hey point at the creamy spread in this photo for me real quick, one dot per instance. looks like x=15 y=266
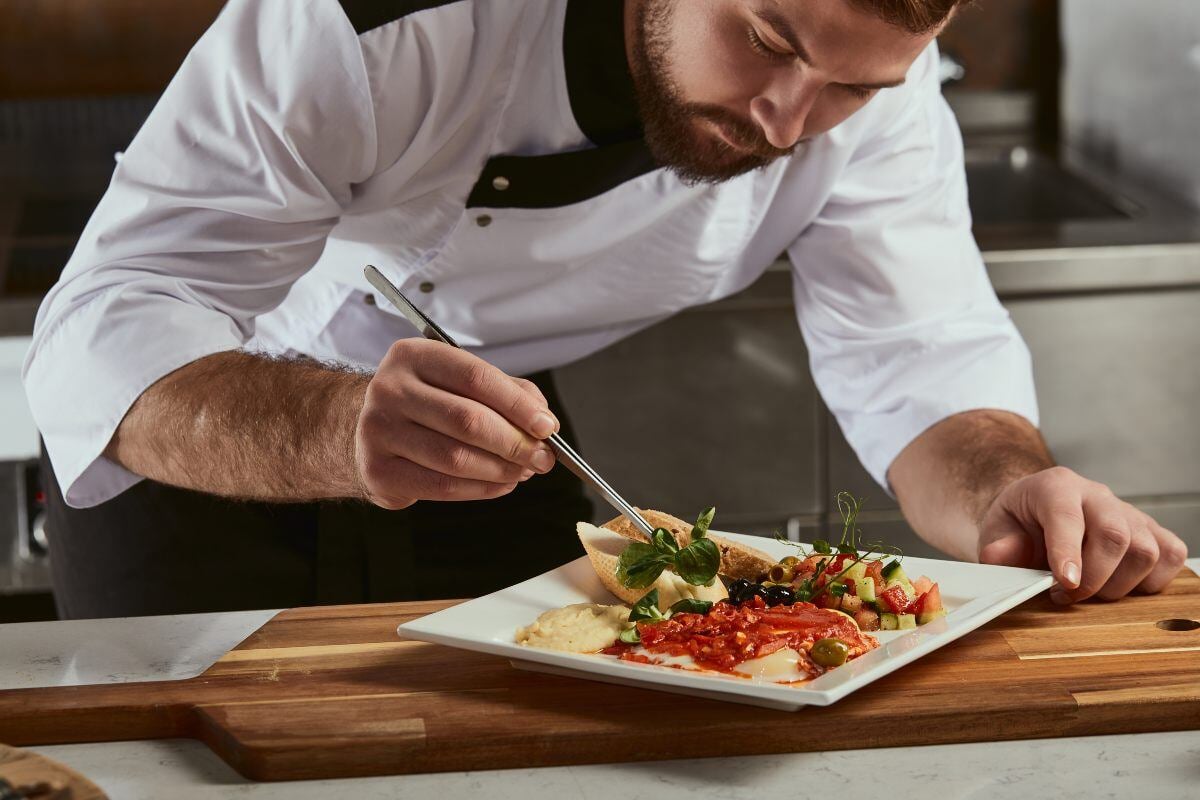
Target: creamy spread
x=578 y=628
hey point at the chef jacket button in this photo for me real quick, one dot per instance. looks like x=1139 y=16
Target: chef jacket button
x=483 y=220
x=426 y=286
x=369 y=299
x=500 y=183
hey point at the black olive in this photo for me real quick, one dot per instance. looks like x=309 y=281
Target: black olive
x=739 y=586
x=780 y=596
x=759 y=590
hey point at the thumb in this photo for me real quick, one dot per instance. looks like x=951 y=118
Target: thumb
x=1012 y=547
x=1005 y=541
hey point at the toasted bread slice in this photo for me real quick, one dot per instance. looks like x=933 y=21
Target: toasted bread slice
x=604 y=550
x=737 y=560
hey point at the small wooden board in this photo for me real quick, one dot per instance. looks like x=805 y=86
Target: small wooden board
x=40 y=778
x=332 y=692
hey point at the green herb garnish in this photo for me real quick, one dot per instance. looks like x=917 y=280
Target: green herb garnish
x=690 y=605
x=641 y=563
x=850 y=544
x=646 y=610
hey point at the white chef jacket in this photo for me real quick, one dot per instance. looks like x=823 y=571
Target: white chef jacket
x=487 y=157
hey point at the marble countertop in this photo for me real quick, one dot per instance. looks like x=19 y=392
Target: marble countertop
x=1147 y=766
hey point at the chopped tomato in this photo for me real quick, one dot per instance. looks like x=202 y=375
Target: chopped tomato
x=922 y=585
x=895 y=599
x=851 y=587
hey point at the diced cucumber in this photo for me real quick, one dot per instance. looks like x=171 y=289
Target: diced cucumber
x=925 y=617
x=905 y=587
x=907 y=621
x=865 y=589
x=888 y=621
x=892 y=571
x=855 y=572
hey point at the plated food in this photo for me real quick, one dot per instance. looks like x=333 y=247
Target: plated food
x=706 y=603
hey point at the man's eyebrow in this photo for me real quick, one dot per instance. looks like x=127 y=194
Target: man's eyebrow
x=784 y=30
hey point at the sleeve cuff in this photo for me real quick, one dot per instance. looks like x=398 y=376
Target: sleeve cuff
x=82 y=376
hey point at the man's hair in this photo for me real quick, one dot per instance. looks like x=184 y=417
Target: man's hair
x=914 y=16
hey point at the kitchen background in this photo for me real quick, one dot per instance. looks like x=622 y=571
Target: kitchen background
x=1081 y=120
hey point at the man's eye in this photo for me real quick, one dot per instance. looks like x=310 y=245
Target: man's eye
x=762 y=48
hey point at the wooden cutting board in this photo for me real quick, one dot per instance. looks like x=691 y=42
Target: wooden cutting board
x=332 y=692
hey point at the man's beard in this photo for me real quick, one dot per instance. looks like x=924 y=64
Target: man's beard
x=669 y=121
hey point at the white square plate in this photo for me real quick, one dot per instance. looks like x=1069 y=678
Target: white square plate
x=972 y=593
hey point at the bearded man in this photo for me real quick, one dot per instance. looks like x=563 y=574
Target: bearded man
x=233 y=419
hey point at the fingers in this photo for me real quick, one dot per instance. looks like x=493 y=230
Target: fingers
x=1172 y=552
x=440 y=453
x=383 y=473
x=466 y=375
x=1095 y=544
x=476 y=425
x=1064 y=525
x=1105 y=544
x=1138 y=561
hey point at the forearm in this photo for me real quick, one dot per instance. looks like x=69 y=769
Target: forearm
x=948 y=477
x=247 y=426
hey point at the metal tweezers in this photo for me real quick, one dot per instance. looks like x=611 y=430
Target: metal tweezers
x=566 y=455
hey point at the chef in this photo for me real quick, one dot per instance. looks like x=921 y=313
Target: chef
x=234 y=419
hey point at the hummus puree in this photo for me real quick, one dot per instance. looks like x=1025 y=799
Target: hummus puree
x=578 y=628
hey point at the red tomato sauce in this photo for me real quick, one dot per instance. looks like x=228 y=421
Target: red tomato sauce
x=729 y=635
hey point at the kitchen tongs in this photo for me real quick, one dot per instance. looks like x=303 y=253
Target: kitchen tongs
x=566 y=455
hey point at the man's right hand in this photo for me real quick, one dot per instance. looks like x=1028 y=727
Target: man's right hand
x=438 y=423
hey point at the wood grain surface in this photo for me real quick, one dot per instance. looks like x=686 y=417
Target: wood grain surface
x=331 y=692
x=40 y=778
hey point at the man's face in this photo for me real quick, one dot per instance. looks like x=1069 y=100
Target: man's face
x=728 y=86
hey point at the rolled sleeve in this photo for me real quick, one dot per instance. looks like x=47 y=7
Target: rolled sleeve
x=902 y=324
x=221 y=202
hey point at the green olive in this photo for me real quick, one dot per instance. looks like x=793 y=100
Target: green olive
x=781 y=573
x=789 y=561
x=830 y=652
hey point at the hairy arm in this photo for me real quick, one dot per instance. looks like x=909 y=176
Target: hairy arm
x=247 y=426
x=432 y=423
x=948 y=477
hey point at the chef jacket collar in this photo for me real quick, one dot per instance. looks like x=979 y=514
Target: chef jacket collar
x=599 y=84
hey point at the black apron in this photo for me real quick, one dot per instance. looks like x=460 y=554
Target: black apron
x=156 y=549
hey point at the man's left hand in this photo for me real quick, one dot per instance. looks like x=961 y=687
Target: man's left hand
x=1095 y=543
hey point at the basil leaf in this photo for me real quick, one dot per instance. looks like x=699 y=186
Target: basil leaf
x=837 y=589
x=702 y=522
x=698 y=562
x=822 y=546
x=664 y=542
x=847 y=549
x=640 y=565
x=691 y=605
x=630 y=636
x=646 y=608
x=804 y=591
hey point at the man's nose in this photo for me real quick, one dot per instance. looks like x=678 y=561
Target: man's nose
x=782 y=110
